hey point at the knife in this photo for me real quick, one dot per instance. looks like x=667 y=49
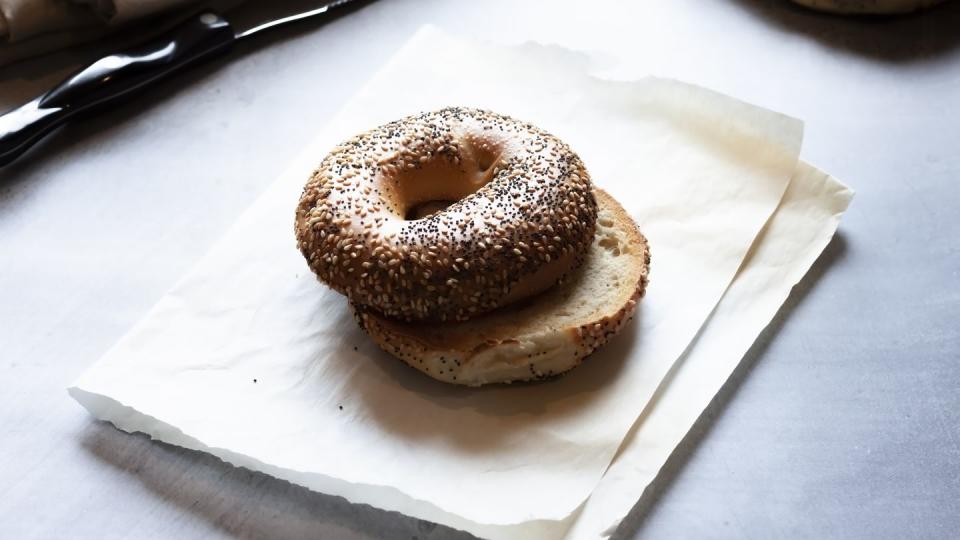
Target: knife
x=203 y=36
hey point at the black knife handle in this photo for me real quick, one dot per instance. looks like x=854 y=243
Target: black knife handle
x=111 y=78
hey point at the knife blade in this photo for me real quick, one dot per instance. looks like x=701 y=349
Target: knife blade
x=200 y=37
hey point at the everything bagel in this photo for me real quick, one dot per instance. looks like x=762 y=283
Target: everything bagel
x=446 y=215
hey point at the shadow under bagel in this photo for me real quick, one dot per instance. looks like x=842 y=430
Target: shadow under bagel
x=512 y=408
x=509 y=410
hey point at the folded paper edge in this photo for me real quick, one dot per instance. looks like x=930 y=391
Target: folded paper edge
x=843 y=195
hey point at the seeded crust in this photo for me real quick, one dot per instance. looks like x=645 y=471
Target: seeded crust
x=523 y=217
x=868 y=6
x=543 y=337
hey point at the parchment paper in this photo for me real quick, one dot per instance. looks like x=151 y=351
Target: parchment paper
x=251 y=359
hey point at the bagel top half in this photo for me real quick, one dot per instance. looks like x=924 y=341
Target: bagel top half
x=511 y=210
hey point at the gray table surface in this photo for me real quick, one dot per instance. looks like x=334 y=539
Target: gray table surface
x=842 y=421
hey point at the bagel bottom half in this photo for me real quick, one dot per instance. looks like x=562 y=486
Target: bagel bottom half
x=543 y=336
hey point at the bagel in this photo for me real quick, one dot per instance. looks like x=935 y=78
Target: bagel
x=543 y=337
x=446 y=215
x=878 y=7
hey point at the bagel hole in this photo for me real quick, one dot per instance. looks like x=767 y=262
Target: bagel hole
x=426 y=209
x=485 y=161
x=436 y=183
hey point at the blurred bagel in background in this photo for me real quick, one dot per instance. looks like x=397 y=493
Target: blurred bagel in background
x=872 y=7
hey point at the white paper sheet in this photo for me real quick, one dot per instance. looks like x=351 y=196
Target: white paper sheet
x=250 y=359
